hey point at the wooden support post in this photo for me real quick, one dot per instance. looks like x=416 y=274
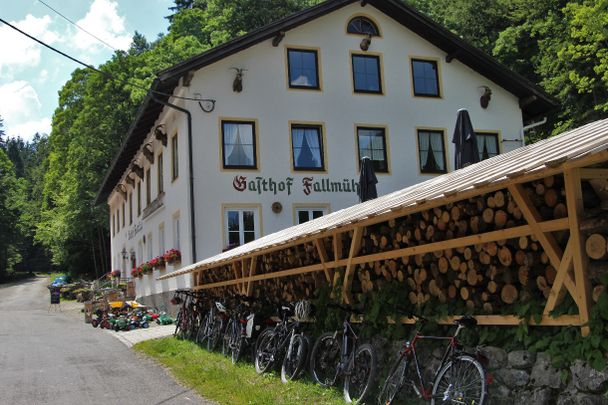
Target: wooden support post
x=563 y=270
x=337 y=242
x=574 y=200
x=252 y=267
x=547 y=241
x=236 y=276
x=329 y=274
x=355 y=245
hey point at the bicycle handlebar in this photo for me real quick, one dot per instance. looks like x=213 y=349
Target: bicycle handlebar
x=345 y=308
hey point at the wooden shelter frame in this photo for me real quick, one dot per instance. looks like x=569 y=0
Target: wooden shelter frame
x=570 y=263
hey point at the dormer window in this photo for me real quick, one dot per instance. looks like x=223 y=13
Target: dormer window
x=362 y=26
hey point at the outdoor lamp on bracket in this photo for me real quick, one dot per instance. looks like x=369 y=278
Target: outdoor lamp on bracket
x=124 y=253
x=206 y=104
x=237 y=84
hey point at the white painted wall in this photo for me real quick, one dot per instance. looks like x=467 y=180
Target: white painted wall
x=267 y=99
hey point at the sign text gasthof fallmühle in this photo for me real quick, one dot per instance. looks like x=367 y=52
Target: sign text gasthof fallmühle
x=309 y=185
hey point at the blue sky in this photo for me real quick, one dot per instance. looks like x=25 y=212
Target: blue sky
x=31 y=75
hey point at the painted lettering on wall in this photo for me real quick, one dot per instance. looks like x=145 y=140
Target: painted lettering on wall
x=135 y=229
x=310 y=185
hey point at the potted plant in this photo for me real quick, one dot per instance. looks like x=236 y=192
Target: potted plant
x=136 y=272
x=115 y=274
x=158 y=263
x=172 y=256
x=146 y=268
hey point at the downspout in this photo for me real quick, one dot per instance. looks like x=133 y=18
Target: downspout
x=527 y=127
x=191 y=174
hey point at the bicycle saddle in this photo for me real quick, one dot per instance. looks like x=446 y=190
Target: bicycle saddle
x=466 y=321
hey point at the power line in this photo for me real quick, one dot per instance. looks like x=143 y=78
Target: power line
x=107 y=75
x=78 y=26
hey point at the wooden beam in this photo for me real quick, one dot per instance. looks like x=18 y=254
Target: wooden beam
x=574 y=201
x=594 y=173
x=236 y=277
x=355 y=246
x=507 y=320
x=323 y=257
x=547 y=241
x=252 y=269
x=337 y=242
x=563 y=271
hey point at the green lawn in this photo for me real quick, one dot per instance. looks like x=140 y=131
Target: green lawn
x=214 y=377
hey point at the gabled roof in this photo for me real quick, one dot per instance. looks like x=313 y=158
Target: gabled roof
x=497 y=172
x=533 y=100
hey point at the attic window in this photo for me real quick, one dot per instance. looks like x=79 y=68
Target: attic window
x=362 y=25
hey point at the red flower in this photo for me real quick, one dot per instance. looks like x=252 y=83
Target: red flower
x=172 y=256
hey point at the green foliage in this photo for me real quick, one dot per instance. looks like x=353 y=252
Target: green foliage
x=214 y=377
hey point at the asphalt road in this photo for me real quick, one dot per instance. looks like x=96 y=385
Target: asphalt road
x=55 y=358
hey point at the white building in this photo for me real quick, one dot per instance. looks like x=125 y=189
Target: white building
x=320 y=89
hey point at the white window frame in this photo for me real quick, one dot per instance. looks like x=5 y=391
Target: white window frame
x=176 y=231
x=256 y=222
x=310 y=210
x=150 y=246
x=161 y=239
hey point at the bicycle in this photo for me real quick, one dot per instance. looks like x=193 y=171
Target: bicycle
x=333 y=358
x=460 y=378
x=284 y=341
x=212 y=326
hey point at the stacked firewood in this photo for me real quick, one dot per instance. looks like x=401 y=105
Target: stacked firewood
x=484 y=276
x=289 y=289
x=595 y=230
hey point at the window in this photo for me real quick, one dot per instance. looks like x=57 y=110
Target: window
x=238 y=145
x=138 y=198
x=140 y=252
x=161 y=239
x=130 y=208
x=487 y=144
x=362 y=25
x=148 y=187
x=306 y=214
x=113 y=224
x=159 y=175
x=176 y=232
x=372 y=143
x=425 y=78
x=307 y=147
x=123 y=214
x=303 y=68
x=431 y=149
x=174 y=158
x=241 y=226
x=366 y=74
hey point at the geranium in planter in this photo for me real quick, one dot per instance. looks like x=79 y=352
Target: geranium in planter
x=173 y=256
x=136 y=272
x=158 y=263
x=146 y=268
x=115 y=274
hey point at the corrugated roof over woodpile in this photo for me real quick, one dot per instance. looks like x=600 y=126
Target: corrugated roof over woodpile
x=572 y=145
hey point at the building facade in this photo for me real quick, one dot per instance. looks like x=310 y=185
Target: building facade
x=268 y=130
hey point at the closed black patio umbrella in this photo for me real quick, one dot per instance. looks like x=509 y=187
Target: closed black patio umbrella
x=367 y=180
x=465 y=141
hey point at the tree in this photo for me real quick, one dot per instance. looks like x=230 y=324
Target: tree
x=9 y=214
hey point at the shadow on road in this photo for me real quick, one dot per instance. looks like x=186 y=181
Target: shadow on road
x=24 y=281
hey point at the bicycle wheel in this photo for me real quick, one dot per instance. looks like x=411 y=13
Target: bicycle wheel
x=462 y=381
x=294 y=359
x=201 y=334
x=358 y=383
x=215 y=332
x=178 y=322
x=237 y=348
x=325 y=358
x=227 y=337
x=264 y=354
x=394 y=381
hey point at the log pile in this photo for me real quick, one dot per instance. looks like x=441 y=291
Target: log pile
x=595 y=229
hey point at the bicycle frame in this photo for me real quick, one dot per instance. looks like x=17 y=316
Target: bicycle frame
x=347 y=357
x=409 y=350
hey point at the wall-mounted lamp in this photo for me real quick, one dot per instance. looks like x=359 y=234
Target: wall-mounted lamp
x=160 y=134
x=206 y=104
x=132 y=256
x=237 y=84
x=124 y=253
x=148 y=152
x=485 y=98
x=366 y=42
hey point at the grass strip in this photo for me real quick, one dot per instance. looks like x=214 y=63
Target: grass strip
x=214 y=377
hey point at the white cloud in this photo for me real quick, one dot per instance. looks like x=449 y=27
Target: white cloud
x=20 y=109
x=18 y=51
x=103 y=21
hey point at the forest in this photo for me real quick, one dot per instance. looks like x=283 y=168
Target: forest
x=47 y=186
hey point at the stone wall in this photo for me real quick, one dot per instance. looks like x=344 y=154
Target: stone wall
x=519 y=377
